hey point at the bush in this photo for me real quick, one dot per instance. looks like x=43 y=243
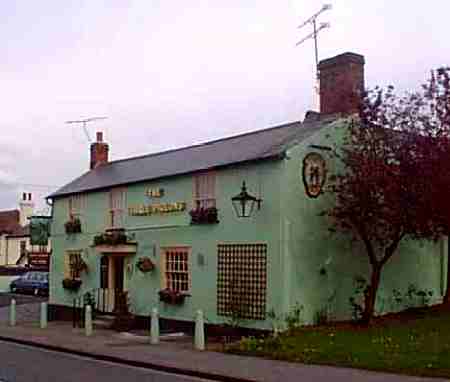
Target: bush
x=73 y=226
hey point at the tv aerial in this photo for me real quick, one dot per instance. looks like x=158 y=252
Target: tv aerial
x=316 y=29
x=84 y=122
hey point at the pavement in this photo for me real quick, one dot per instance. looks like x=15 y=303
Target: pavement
x=172 y=356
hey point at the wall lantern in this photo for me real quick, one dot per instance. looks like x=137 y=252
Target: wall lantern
x=244 y=203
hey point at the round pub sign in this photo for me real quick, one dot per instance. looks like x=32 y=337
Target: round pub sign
x=314 y=174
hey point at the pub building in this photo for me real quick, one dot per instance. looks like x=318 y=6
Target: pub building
x=231 y=227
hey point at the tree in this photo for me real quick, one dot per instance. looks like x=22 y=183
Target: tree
x=437 y=95
x=388 y=157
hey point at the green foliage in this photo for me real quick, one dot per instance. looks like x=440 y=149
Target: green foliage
x=417 y=344
x=321 y=316
x=73 y=226
x=71 y=284
x=294 y=317
x=357 y=300
x=413 y=297
x=291 y=320
x=111 y=238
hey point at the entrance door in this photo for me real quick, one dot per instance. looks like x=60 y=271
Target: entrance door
x=118 y=280
x=118 y=273
x=111 y=281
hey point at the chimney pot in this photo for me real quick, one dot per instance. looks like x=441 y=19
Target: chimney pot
x=341 y=83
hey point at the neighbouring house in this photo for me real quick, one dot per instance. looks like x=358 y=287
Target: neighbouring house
x=169 y=229
x=15 y=244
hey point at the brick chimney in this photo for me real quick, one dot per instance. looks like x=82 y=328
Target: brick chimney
x=341 y=83
x=99 y=151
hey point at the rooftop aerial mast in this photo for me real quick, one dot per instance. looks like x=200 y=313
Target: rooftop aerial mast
x=84 y=122
x=316 y=29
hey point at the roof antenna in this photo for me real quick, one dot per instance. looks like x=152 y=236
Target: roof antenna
x=84 y=122
x=316 y=30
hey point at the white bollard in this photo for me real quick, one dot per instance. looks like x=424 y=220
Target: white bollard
x=43 y=315
x=88 y=321
x=199 y=331
x=12 y=313
x=154 y=327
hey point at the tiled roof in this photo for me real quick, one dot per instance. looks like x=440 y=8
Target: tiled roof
x=257 y=145
x=20 y=231
x=9 y=221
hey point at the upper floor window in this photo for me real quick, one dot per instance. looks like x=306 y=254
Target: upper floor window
x=205 y=190
x=77 y=205
x=116 y=208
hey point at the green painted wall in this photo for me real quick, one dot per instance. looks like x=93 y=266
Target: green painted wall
x=305 y=264
x=323 y=265
x=154 y=232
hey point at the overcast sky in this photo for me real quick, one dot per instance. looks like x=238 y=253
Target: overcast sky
x=173 y=73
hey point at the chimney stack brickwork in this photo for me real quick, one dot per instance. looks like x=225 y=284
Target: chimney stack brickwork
x=99 y=152
x=341 y=83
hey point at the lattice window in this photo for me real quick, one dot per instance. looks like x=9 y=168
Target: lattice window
x=205 y=190
x=77 y=205
x=116 y=208
x=176 y=269
x=242 y=280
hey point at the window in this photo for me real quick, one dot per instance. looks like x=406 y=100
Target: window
x=72 y=261
x=205 y=190
x=77 y=205
x=242 y=280
x=176 y=274
x=116 y=208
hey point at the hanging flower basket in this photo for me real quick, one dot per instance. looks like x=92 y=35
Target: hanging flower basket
x=73 y=226
x=71 y=284
x=116 y=237
x=171 y=297
x=204 y=216
x=145 y=264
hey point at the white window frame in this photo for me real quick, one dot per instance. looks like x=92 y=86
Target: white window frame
x=204 y=190
x=166 y=282
x=116 y=207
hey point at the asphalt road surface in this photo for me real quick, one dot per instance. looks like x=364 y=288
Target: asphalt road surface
x=20 y=363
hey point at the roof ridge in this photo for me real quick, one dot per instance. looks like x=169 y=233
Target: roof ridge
x=9 y=211
x=287 y=124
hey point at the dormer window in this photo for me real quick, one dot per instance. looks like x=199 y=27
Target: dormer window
x=205 y=190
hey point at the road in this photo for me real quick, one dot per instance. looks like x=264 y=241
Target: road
x=20 y=363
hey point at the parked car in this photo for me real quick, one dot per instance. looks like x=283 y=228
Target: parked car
x=31 y=282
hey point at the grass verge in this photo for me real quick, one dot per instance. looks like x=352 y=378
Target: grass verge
x=415 y=342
